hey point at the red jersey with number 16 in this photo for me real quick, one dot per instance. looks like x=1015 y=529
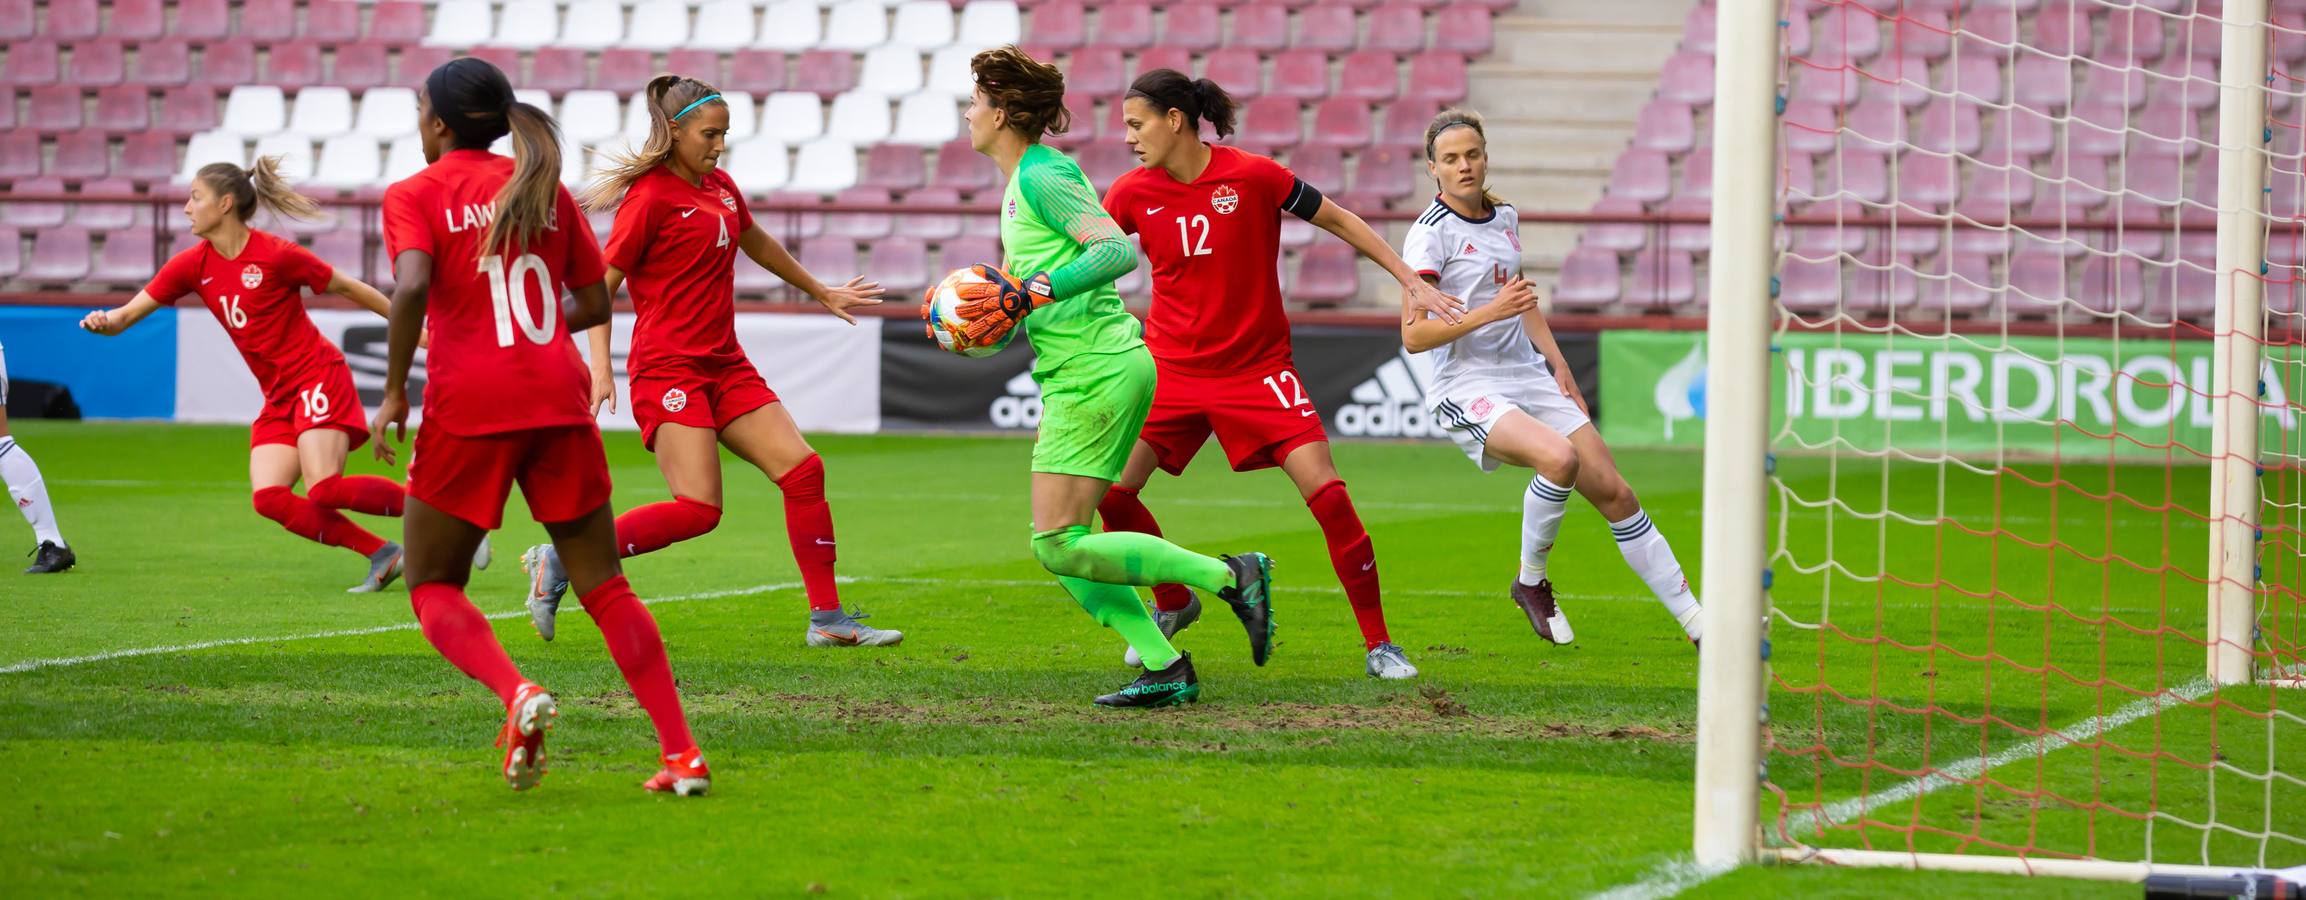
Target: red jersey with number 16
x=255 y=296
x=501 y=358
x=1215 y=247
x=676 y=242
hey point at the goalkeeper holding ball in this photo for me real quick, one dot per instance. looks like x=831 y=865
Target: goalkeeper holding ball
x=1095 y=374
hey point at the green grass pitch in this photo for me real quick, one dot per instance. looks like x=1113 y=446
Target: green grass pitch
x=967 y=762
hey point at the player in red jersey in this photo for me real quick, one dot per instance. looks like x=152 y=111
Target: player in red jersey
x=483 y=248
x=680 y=222
x=1209 y=219
x=251 y=281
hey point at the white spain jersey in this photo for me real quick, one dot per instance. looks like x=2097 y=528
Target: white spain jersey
x=1473 y=258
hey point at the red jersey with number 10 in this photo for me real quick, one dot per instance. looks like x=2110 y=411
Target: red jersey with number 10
x=255 y=296
x=1215 y=248
x=501 y=358
x=676 y=242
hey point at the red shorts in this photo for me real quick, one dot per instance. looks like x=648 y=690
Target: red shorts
x=1259 y=417
x=326 y=400
x=562 y=471
x=697 y=397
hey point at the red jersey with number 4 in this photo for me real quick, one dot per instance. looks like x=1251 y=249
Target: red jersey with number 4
x=1215 y=247
x=501 y=358
x=676 y=242
x=256 y=296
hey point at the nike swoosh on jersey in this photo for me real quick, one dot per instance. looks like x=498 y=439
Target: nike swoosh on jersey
x=688 y=212
x=1155 y=210
x=208 y=279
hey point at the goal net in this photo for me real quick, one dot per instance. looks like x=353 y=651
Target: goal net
x=2036 y=513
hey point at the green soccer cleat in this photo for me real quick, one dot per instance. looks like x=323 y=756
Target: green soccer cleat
x=1173 y=686
x=1252 y=599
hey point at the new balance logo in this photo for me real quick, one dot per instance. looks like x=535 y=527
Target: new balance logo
x=1392 y=402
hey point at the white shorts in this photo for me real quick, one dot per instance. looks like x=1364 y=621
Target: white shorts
x=1468 y=411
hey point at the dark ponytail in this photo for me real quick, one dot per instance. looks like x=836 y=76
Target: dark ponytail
x=1200 y=99
x=474 y=99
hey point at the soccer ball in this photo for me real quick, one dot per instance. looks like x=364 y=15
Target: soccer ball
x=943 y=299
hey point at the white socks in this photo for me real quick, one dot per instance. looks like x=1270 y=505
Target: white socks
x=29 y=492
x=1541 y=510
x=1646 y=551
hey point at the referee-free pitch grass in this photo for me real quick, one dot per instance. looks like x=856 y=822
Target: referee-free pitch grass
x=967 y=762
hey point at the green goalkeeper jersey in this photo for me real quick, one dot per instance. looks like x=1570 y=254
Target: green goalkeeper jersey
x=1051 y=222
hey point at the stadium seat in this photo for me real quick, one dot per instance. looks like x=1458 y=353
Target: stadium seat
x=226 y=65
x=96 y=64
x=132 y=20
x=893 y=168
x=1271 y=124
x=921 y=25
x=593 y=25
x=2042 y=83
x=98 y=217
x=1302 y=75
x=1927 y=181
x=930 y=226
x=1321 y=167
x=399 y=23
x=792 y=117
x=30 y=63
x=858 y=117
x=963 y=252
x=361 y=67
x=202 y=21
x=1263 y=28
x=59 y=256
x=1807 y=285
x=338 y=24
x=1616 y=236
x=19 y=154
x=756 y=72
x=855 y=25
x=1163 y=57
x=1439 y=77
x=949 y=71
x=989 y=23
x=825 y=73
x=1370 y=76
x=1641 y=175
x=254 y=110
x=504 y=58
x=54 y=107
x=527 y=24
x=744 y=115
x=387 y=114
x=1463 y=31
x=1661 y=279
x=348 y=162
x=827 y=165
x=858 y=225
x=294 y=151
x=459 y=24
x=658 y=25
x=591 y=116
x=148 y=156
x=72 y=20
x=268 y=22
x=1192 y=26
x=1397 y=29
x=1665 y=125
x=342 y=249
x=404 y=158
x=959 y=167
x=82 y=156
x=557 y=70
x=901 y=265
x=2168 y=126
x=34 y=215
x=1589 y=279
x=1097 y=72
x=1950 y=125
x=1344 y=124
x=1328 y=28
x=321 y=113
x=120 y=109
x=724 y=25
x=1238 y=69
x=1697 y=175
x=17 y=23
x=1845 y=35
x=926 y=120
x=891 y=71
x=831 y=260
x=1123 y=25
x=1104 y=162
x=159 y=64
x=1325 y=275
x=1060 y=25
x=126 y=259
x=294 y=66
x=1688 y=78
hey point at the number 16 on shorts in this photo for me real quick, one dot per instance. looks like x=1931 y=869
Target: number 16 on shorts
x=1290 y=391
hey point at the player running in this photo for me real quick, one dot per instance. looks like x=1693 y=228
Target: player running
x=1500 y=386
x=51 y=554
x=1220 y=338
x=680 y=222
x=312 y=418
x=1095 y=375
x=483 y=248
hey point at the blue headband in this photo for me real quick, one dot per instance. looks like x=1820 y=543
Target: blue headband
x=708 y=98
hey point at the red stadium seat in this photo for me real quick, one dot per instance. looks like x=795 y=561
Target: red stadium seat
x=1396 y=28
x=1616 y=236
x=16 y=21
x=202 y=21
x=832 y=260
x=294 y=66
x=111 y=216
x=136 y=20
x=1385 y=175
x=1301 y=75
x=188 y=109
x=1192 y=26
x=1405 y=121
x=1662 y=278
x=962 y=168
x=558 y=70
x=1164 y=57
x=859 y=226
x=417 y=62
x=825 y=72
x=1061 y=25
x=1239 y=70
x=1123 y=24
x=1271 y=124
x=1688 y=78
x=1328 y=28
x=399 y=23
x=29 y=63
x=19 y=155
x=11 y=253
x=82 y=156
x=34 y=215
x=1641 y=175
x=1439 y=77
x=53 y=108
x=1665 y=125
x=1589 y=279
x=705 y=64
x=1370 y=76
x=1321 y=167
x=505 y=58
x=1261 y=28
x=333 y=24
x=893 y=167
x=262 y=21
x=362 y=66
x=1105 y=161
x=931 y=226
x=7 y=110
x=160 y=64
x=1463 y=30
x=127 y=258
x=901 y=265
x=227 y=64
x=59 y=255
x=961 y=253
x=1344 y=124
x=96 y=64
x=148 y=156
x=1325 y=275
x=73 y=20
x=124 y=108
x=756 y=72
x=1095 y=71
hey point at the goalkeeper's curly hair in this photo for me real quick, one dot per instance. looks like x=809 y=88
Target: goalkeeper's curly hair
x=1029 y=93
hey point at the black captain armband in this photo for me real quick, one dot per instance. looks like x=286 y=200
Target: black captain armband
x=1304 y=200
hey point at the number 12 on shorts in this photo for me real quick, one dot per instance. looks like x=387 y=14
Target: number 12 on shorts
x=1294 y=396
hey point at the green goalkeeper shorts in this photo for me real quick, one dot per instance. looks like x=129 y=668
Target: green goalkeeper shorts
x=1092 y=408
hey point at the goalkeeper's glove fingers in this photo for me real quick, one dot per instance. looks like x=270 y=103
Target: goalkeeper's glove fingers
x=1012 y=296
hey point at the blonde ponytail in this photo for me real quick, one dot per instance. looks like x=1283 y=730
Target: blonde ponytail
x=258 y=185
x=667 y=96
x=526 y=202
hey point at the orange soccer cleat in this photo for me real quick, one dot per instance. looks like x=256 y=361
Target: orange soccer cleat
x=684 y=774
x=531 y=715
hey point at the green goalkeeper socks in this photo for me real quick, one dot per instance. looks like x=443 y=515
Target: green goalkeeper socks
x=1118 y=608
x=1128 y=557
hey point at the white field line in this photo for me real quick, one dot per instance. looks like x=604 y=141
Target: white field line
x=1680 y=874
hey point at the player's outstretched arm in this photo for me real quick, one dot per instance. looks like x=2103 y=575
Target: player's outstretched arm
x=838 y=300
x=359 y=292
x=1426 y=333
x=412 y=274
x=1418 y=298
x=109 y=322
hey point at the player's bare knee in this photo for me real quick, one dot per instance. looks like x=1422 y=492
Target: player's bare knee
x=1555 y=459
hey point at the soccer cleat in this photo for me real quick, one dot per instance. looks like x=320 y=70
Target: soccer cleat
x=531 y=715
x=841 y=629
x=383 y=570
x=49 y=558
x=684 y=775
x=1171 y=623
x=1536 y=601
x=1252 y=599
x=547 y=583
x=1172 y=686
x=483 y=554
x=1386 y=661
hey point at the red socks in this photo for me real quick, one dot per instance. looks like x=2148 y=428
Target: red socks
x=313 y=521
x=1355 y=559
x=809 y=525
x=656 y=526
x=462 y=636
x=639 y=651
x=371 y=494
x=1122 y=511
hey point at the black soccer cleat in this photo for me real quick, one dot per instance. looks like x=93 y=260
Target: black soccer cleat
x=1173 y=686
x=1252 y=599
x=49 y=558
x=1545 y=615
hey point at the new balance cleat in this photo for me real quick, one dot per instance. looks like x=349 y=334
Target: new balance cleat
x=1252 y=600
x=483 y=554
x=1387 y=661
x=547 y=583
x=684 y=775
x=49 y=558
x=383 y=570
x=1173 y=686
x=532 y=713
x=838 y=628
x=1170 y=623
x=1536 y=602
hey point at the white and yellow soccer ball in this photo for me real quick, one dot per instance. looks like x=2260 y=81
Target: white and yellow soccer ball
x=940 y=308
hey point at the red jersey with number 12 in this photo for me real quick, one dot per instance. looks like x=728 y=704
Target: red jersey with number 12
x=1215 y=247
x=676 y=242
x=255 y=296
x=501 y=358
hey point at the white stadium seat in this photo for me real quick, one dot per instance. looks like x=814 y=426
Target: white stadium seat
x=856 y=25
x=792 y=117
x=758 y=166
x=824 y=166
x=927 y=119
x=989 y=23
x=212 y=147
x=892 y=71
x=744 y=119
x=922 y=25
x=636 y=130
x=404 y=159
x=658 y=25
x=593 y=25
x=859 y=117
x=348 y=161
x=589 y=117
x=791 y=25
x=321 y=112
x=537 y=98
x=459 y=23
x=724 y=25
x=387 y=113
x=253 y=110
x=294 y=150
x=949 y=70
x=527 y=24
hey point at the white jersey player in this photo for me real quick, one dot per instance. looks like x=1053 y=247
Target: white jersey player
x=30 y=494
x=1501 y=389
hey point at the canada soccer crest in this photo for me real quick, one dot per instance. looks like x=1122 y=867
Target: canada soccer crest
x=729 y=201
x=251 y=277
x=1224 y=200
x=676 y=400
